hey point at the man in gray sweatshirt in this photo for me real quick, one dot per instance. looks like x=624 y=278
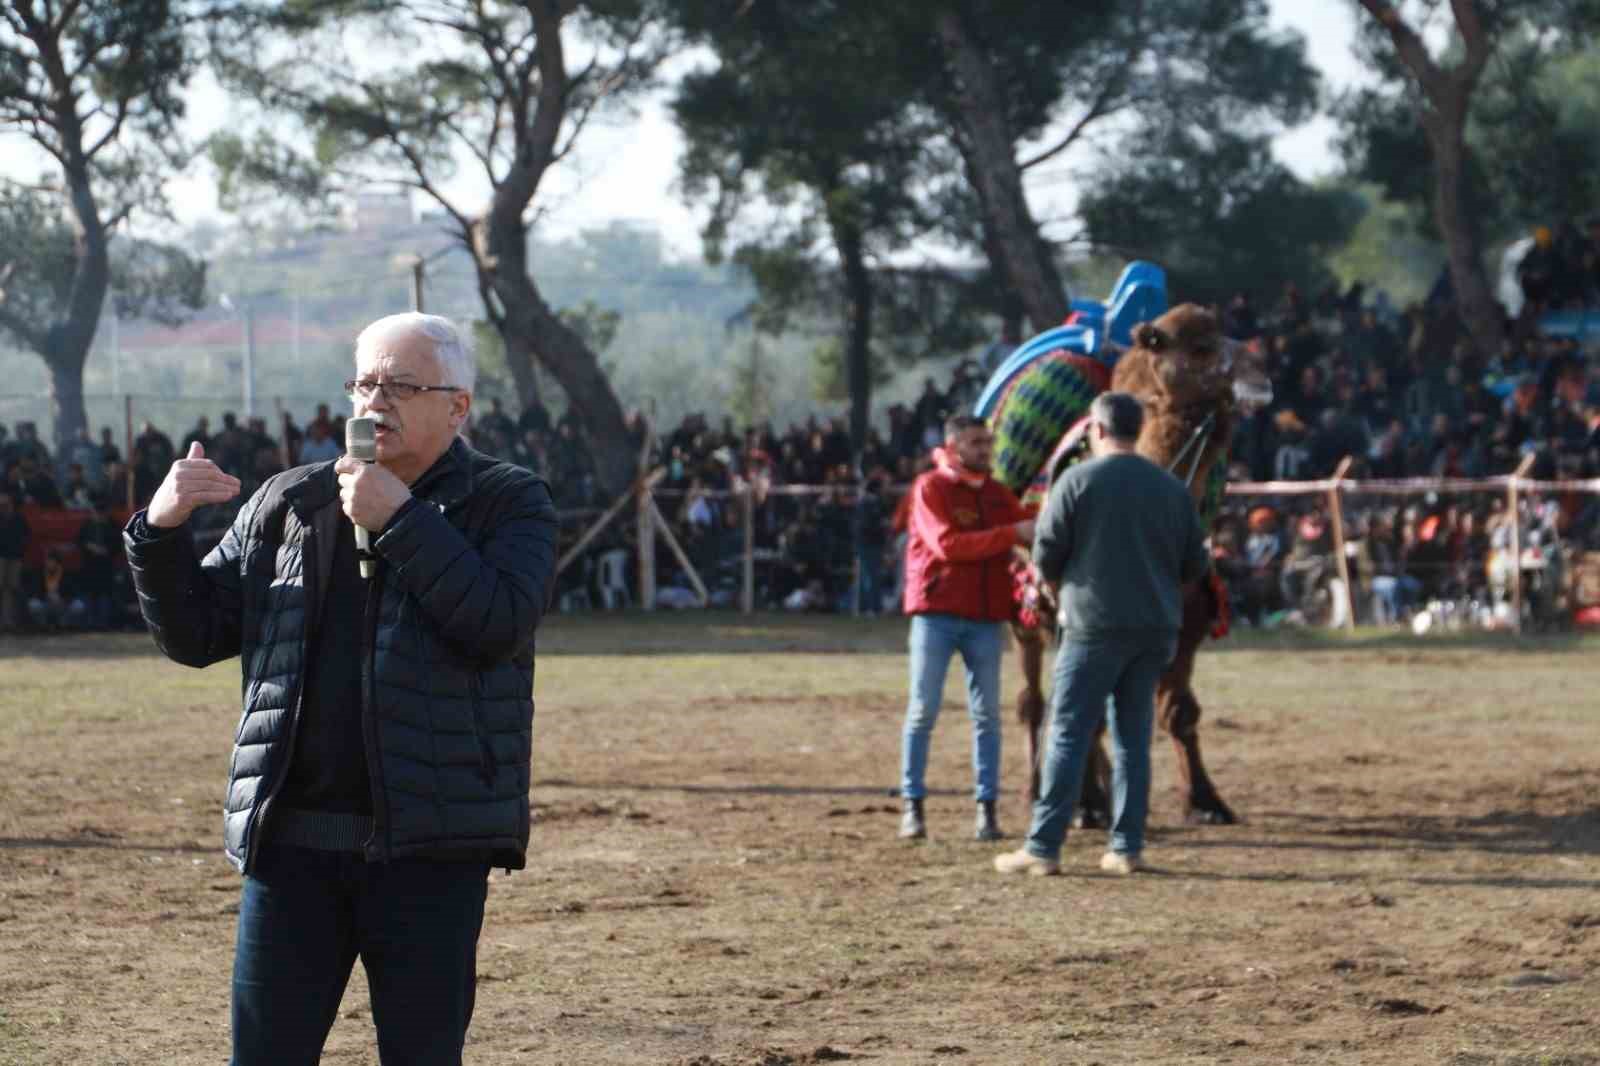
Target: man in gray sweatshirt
x=1118 y=538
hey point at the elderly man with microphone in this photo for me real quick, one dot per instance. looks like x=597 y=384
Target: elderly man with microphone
x=384 y=613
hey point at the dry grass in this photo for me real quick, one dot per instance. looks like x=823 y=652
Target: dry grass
x=715 y=880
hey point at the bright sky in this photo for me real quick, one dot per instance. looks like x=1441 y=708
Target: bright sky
x=592 y=189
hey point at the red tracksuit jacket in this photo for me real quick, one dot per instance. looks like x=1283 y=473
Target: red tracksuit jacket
x=958 y=554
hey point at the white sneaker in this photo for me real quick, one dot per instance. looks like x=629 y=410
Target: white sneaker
x=1120 y=863
x=1023 y=861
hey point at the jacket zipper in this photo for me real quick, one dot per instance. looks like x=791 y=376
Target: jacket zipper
x=983 y=573
x=379 y=846
x=308 y=583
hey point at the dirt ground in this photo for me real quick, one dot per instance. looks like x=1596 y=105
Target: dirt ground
x=715 y=880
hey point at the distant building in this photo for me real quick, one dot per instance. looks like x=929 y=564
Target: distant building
x=372 y=212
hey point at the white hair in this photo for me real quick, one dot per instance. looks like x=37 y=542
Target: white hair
x=451 y=346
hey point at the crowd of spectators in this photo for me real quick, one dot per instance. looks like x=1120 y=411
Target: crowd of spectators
x=1561 y=268
x=1403 y=395
x=1399 y=392
x=810 y=510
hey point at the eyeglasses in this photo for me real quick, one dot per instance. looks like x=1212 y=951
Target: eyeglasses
x=398 y=391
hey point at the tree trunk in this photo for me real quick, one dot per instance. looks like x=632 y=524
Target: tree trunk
x=1475 y=301
x=1012 y=313
x=532 y=331
x=67 y=342
x=65 y=361
x=1448 y=94
x=562 y=352
x=858 y=333
x=520 y=360
x=990 y=154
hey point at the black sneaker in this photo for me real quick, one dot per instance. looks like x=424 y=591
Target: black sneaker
x=986 y=827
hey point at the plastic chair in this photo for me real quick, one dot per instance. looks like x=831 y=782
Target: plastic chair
x=613 y=579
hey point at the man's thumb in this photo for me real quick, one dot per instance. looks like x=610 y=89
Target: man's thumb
x=196 y=451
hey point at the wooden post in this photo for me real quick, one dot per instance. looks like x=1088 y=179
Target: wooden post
x=1336 y=514
x=640 y=487
x=665 y=529
x=747 y=595
x=1516 y=540
x=645 y=531
x=127 y=446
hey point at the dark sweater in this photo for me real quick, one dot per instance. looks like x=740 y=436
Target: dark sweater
x=328 y=771
x=1118 y=537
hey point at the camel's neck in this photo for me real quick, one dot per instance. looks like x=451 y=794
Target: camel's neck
x=1169 y=430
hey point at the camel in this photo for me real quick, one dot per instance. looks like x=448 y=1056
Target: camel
x=1192 y=382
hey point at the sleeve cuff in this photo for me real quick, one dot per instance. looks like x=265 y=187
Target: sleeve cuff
x=398 y=516
x=142 y=531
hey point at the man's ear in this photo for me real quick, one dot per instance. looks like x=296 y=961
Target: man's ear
x=463 y=407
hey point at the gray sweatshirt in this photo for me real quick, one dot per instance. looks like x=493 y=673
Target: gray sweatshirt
x=1118 y=538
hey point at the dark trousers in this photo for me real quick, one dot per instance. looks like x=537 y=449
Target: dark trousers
x=1123 y=668
x=306 y=915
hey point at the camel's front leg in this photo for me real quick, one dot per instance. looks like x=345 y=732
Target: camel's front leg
x=1179 y=715
x=1094 y=802
x=1030 y=702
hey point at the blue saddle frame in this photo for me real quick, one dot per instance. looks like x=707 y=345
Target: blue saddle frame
x=1102 y=331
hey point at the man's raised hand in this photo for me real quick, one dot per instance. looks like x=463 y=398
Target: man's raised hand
x=193 y=481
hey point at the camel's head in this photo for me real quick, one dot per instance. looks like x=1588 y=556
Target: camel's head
x=1183 y=359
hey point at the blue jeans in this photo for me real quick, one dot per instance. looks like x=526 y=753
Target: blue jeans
x=869 y=567
x=934 y=639
x=1125 y=670
x=306 y=915
x=1393 y=595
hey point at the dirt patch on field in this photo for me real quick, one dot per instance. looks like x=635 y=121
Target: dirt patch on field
x=715 y=879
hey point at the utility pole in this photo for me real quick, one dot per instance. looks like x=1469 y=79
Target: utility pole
x=419 y=271
x=294 y=335
x=116 y=352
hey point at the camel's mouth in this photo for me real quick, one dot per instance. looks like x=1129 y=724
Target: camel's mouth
x=1252 y=395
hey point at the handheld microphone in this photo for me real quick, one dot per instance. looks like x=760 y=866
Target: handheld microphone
x=361 y=442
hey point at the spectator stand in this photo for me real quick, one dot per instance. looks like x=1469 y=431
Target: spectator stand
x=651 y=523
x=1514 y=489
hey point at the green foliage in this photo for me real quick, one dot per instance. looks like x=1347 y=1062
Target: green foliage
x=595 y=324
x=1532 y=154
x=1388 y=249
x=121 y=66
x=161 y=282
x=460 y=81
x=494 y=372
x=1532 y=125
x=40 y=265
x=97 y=87
x=259 y=172
x=830 y=379
x=1222 y=216
x=750 y=401
x=1116 y=77
x=809 y=124
x=807 y=110
x=38 y=259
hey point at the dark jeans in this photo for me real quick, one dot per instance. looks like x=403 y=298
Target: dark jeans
x=1124 y=669
x=306 y=915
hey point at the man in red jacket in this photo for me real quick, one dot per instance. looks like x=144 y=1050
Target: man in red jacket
x=958 y=592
